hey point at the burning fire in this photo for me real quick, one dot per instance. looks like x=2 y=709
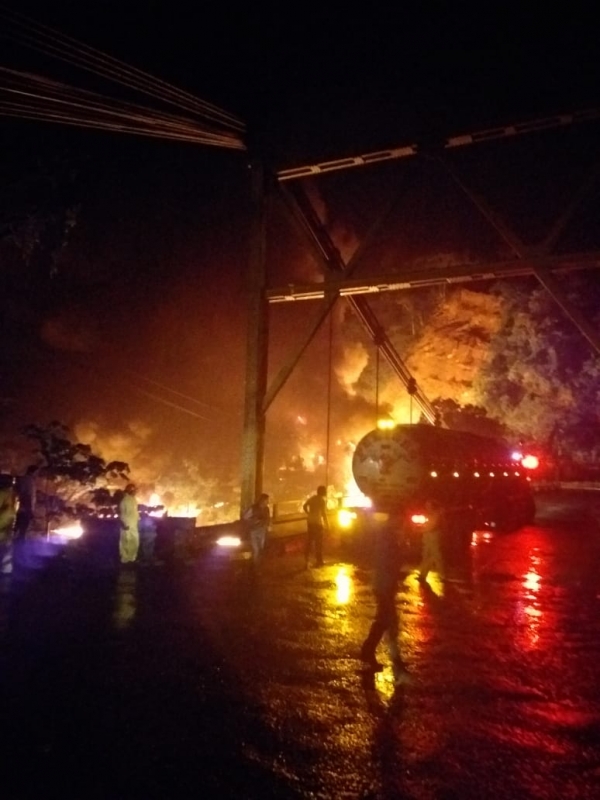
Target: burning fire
x=184 y=510
x=354 y=498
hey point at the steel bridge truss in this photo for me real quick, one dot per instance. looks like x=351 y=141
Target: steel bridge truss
x=338 y=282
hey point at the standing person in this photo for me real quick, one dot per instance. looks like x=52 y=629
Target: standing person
x=431 y=555
x=26 y=494
x=386 y=577
x=148 y=532
x=129 y=539
x=317 y=522
x=258 y=521
x=8 y=512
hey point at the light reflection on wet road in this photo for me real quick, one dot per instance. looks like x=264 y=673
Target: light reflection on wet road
x=210 y=679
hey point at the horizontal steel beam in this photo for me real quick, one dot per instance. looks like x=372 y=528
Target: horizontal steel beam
x=450 y=143
x=416 y=279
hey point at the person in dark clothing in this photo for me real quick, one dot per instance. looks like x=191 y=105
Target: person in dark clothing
x=432 y=559
x=317 y=523
x=147 y=527
x=386 y=578
x=26 y=494
x=257 y=519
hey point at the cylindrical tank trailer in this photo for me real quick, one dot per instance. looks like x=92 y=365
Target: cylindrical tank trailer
x=474 y=478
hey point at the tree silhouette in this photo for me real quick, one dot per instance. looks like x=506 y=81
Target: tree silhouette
x=75 y=478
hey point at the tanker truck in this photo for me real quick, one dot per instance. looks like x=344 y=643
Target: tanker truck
x=475 y=479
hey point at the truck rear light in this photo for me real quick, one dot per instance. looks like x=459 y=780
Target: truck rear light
x=530 y=462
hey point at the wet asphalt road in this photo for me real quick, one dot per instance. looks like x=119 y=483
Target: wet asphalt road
x=203 y=679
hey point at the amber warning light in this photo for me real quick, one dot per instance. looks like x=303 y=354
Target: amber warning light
x=530 y=462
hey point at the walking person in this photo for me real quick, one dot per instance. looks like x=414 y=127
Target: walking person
x=258 y=521
x=432 y=559
x=129 y=518
x=317 y=523
x=386 y=578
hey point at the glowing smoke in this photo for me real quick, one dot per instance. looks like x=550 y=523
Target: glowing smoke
x=352 y=361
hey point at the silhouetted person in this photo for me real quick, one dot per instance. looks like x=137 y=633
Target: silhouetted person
x=317 y=522
x=148 y=531
x=26 y=496
x=386 y=578
x=257 y=518
x=129 y=539
x=431 y=556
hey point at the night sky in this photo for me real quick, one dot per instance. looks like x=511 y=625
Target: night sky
x=314 y=83
x=141 y=314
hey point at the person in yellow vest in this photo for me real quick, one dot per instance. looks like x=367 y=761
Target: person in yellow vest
x=129 y=518
x=8 y=513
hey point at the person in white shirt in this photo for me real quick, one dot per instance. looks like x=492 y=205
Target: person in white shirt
x=317 y=523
